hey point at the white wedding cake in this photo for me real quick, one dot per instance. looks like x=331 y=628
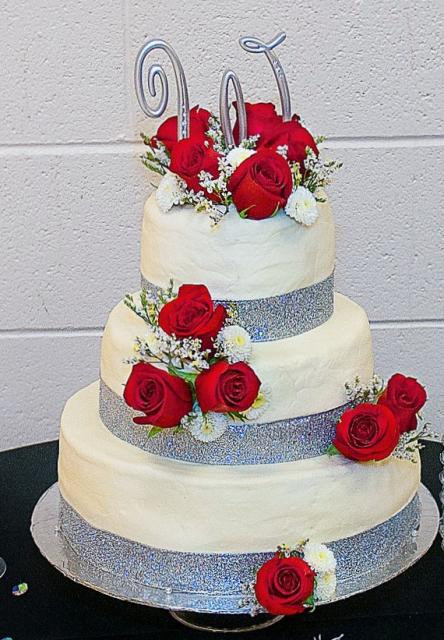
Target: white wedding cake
x=193 y=509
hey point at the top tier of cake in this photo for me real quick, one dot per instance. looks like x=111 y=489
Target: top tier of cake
x=239 y=259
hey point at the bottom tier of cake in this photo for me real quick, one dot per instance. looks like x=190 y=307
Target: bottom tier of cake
x=204 y=530
x=192 y=507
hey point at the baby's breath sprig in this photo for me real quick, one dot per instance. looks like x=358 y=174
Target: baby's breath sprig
x=250 y=142
x=155 y=158
x=318 y=172
x=184 y=358
x=216 y=134
x=148 y=307
x=296 y=174
x=410 y=443
x=145 y=309
x=357 y=393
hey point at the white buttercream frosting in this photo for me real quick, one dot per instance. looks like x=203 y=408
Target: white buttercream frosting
x=304 y=374
x=239 y=259
x=190 y=507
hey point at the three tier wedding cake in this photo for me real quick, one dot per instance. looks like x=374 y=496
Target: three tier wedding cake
x=238 y=453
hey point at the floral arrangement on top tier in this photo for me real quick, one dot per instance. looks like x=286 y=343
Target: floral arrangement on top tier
x=293 y=581
x=190 y=372
x=383 y=420
x=276 y=167
x=266 y=164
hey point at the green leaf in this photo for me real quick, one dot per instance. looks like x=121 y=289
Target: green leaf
x=179 y=429
x=311 y=603
x=310 y=600
x=188 y=376
x=236 y=415
x=243 y=213
x=152 y=167
x=146 y=139
x=332 y=451
x=154 y=431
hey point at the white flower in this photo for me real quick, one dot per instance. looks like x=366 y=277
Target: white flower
x=282 y=150
x=301 y=206
x=319 y=557
x=169 y=191
x=234 y=343
x=236 y=156
x=259 y=405
x=205 y=427
x=160 y=153
x=325 y=585
x=152 y=342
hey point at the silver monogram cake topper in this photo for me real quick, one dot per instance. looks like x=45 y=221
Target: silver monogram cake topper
x=224 y=107
x=156 y=71
x=255 y=45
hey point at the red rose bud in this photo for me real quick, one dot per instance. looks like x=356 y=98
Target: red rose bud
x=227 y=387
x=167 y=132
x=261 y=184
x=405 y=397
x=191 y=156
x=193 y=315
x=367 y=432
x=297 y=139
x=284 y=584
x=262 y=120
x=163 y=398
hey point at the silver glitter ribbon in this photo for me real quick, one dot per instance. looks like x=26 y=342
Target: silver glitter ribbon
x=282 y=316
x=242 y=442
x=205 y=580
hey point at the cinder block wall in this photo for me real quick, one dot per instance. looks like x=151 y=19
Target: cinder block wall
x=366 y=74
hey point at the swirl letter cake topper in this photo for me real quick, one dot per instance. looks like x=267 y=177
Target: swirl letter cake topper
x=157 y=71
x=224 y=107
x=255 y=45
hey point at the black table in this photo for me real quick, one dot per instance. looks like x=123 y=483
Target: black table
x=409 y=607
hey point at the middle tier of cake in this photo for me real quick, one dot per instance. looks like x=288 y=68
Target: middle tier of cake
x=302 y=375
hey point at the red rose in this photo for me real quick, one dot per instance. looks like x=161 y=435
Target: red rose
x=261 y=184
x=193 y=315
x=163 y=398
x=262 y=120
x=405 y=397
x=284 y=584
x=367 y=432
x=227 y=387
x=297 y=139
x=167 y=132
x=191 y=156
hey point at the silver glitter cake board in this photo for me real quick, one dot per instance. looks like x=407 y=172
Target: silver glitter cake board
x=52 y=545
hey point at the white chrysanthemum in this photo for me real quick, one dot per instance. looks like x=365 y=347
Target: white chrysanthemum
x=259 y=405
x=236 y=156
x=205 y=427
x=302 y=207
x=325 y=586
x=319 y=557
x=169 y=191
x=235 y=343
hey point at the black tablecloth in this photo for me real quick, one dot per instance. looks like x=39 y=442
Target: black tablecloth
x=410 y=606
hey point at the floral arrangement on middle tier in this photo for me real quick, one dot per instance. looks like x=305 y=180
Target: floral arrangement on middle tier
x=276 y=167
x=382 y=420
x=191 y=372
